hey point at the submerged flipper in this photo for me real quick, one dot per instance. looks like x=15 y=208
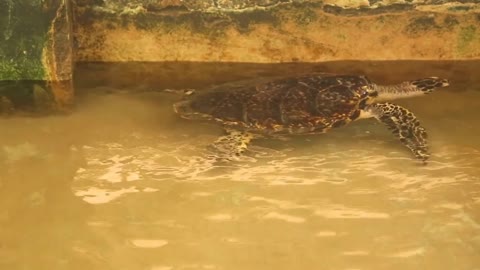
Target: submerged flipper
x=231 y=145
x=404 y=125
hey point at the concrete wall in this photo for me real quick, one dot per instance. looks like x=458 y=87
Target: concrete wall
x=270 y=31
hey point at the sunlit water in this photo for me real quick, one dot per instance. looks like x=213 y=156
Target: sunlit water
x=123 y=183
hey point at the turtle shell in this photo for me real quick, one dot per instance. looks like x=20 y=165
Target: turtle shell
x=303 y=104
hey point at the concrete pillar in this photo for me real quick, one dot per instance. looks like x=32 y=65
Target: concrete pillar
x=35 y=55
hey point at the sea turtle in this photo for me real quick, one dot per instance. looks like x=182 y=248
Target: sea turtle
x=306 y=104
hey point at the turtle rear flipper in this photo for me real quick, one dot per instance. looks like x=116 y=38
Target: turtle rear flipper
x=232 y=145
x=404 y=125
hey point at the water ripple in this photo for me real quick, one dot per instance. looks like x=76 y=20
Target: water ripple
x=135 y=162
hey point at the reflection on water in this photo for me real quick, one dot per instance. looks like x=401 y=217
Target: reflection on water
x=122 y=183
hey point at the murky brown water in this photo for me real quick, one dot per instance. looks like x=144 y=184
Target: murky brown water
x=122 y=183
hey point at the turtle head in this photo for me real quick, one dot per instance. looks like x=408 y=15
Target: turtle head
x=410 y=88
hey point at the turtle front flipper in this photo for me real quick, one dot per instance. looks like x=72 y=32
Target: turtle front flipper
x=409 y=88
x=427 y=85
x=231 y=145
x=404 y=125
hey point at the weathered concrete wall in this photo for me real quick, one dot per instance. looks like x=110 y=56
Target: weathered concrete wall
x=35 y=55
x=276 y=30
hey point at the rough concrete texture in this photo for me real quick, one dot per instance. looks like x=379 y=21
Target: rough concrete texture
x=275 y=30
x=35 y=55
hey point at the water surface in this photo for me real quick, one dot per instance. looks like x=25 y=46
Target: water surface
x=123 y=183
